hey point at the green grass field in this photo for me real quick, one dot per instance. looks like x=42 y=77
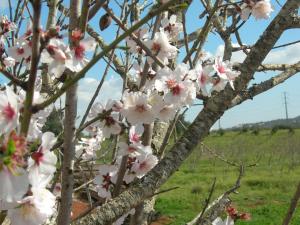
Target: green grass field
x=266 y=189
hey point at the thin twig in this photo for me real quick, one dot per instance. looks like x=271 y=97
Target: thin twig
x=292 y=207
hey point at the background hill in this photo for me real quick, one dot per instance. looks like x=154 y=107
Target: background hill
x=292 y=122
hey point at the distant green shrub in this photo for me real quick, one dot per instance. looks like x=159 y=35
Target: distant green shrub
x=244 y=129
x=196 y=190
x=282 y=127
x=221 y=132
x=255 y=131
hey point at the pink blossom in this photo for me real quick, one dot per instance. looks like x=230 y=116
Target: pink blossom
x=161 y=47
x=171 y=27
x=227 y=221
x=42 y=163
x=175 y=85
x=9 y=61
x=135 y=133
x=105 y=179
x=6 y=25
x=9 y=110
x=262 y=9
x=142 y=34
x=143 y=164
x=202 y=76
x=225 y=72
x=136 y=108
x=78 y=60
x=34 y=209
x=22 y=50
x=55 y=55
x=109 y=121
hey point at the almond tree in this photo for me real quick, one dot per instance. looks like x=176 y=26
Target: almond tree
x=40 y=174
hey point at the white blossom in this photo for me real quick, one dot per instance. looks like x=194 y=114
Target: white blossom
x=34 y=209
x=13 y=185
x=104 y=180
x=42 y=163
x=160 y=47
x=21 y=50
x=9 y=110
x=143 y=164
x=171 y=27
x=78 y=61
x=9 y=61
x=227 y=221
x=108 y=123
x=55 y=55
x=136 y=108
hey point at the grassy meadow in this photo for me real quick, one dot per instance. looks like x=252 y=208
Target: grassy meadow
x=266 y=188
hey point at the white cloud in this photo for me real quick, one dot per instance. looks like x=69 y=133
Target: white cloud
x=289 y=54
x=238 y=56
x=111 y=89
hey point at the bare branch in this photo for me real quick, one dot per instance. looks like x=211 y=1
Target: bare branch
x=292 y=207
x=69 y=130
x=266 y=85
x=217 y=207
x=13 y=79
x=135 y=38
x=34 y=66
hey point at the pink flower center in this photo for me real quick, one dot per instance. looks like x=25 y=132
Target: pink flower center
x=216 y=81
x=221 y=69
x=143 y=165
x=106 y=178
x=131 y=149
x=79 y=52
x=37 y=157
x=176 y=90
x=202 y=79
x=156 y=47
x=76 y=35
x=9 y=112
x=109 y=121
x=140 y=108
x=135 y=138
x=169 y=28
x=20 y=51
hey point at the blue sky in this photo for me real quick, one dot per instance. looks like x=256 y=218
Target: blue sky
x=264 y=107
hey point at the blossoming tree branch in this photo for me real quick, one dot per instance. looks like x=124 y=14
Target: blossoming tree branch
x=164 y=70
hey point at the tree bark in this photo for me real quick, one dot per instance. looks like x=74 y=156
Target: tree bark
x=69 y=135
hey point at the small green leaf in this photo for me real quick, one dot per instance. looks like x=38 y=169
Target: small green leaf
x=11 y=147
x=123 y=47
x=179 y=6
x=6 y=160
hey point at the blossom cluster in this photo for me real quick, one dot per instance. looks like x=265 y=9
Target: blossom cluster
x=260 y=9
x=165 y=92
x=26 y=164
x=24 y=179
